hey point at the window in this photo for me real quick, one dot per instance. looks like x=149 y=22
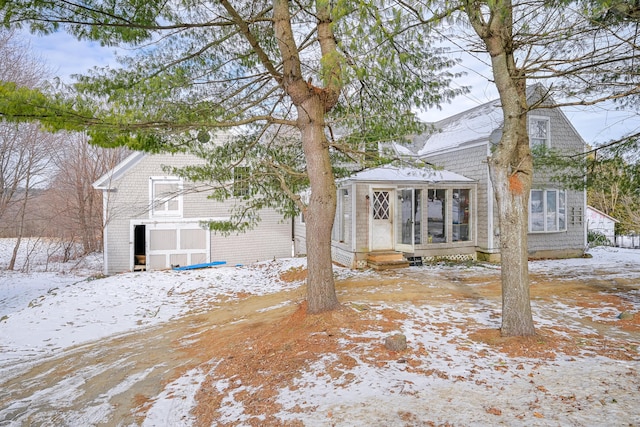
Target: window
x=436 y=208
x=539 y=131
x=241 y=181
x=342 y=222
x=381 y=205
x=460 y=214
x=547 y=211
x=409 y=230
x=165 y=196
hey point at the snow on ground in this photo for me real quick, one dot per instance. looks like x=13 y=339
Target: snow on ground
x=44 y=312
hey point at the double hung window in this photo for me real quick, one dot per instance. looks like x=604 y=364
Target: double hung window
x=547 y=211
x=539 y=131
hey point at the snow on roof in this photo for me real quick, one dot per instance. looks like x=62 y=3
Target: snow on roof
x=403 y=149
x=407 y=174
x=475 y=125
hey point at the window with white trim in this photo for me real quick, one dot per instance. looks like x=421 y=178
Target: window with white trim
x=547 y=211
x=539 y=131
x=165 y=194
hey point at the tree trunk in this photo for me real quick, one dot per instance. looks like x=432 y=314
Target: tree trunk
x=321 y=295
x=510 y=164
x=512 y=205
x=23 y=212
x=511 y=169
x=312 y=103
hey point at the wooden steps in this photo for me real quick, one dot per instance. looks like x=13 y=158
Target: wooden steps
x=386 y=260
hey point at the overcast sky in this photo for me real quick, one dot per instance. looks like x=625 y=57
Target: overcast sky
x=67 y=56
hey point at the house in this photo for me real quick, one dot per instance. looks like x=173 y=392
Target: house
x=602 y=223
x=385 y=216
x=447 y=210
x=155 y=221
x=462 y=144
x=418 y=212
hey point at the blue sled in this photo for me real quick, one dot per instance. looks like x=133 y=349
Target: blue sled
x=203 y=265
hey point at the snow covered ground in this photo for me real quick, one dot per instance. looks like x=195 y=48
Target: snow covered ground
x=42 y=313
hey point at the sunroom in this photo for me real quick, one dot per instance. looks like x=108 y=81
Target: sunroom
x=394 y=215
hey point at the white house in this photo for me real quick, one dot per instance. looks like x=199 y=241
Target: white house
x=602 y=223
x=155 y=221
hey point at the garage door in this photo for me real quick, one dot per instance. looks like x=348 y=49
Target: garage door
x=176 y=244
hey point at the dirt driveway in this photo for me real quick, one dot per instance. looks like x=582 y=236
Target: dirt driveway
x=256 y=347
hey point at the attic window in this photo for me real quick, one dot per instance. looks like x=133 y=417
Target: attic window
x=539 y=131
x=165 y=196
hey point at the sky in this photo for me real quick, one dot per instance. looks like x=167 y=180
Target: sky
x=598 y=124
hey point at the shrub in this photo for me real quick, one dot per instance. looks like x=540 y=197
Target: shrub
x=596 y=238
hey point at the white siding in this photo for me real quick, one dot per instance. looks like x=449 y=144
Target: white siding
x=129 y=203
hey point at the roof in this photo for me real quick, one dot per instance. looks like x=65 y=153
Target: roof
x=478 y=125
x=468 y=127
x=602 y=213
x=406 y=174
x=104 y=182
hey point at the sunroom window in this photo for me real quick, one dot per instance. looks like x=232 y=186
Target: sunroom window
x=436 y=218
x=460 y=215
x=547 y=211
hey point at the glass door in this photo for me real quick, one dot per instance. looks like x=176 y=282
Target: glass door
x=409 y=215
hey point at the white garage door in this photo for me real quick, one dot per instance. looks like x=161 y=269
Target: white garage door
x=176 y=244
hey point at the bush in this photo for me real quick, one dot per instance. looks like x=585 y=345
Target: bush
x=596 y=238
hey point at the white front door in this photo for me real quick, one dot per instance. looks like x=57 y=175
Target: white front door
x=382 y=220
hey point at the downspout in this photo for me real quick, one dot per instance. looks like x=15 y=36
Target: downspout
x=105 y=246
x=293 y=236
x=490 y=198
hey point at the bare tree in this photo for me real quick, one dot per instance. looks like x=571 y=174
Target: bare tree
x=25 y=149
x=76 y=205
x=26 y=160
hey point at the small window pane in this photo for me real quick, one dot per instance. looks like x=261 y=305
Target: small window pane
x=405 y=223
x=562 y=202
x=417 y=217
x=551 y=210
x=345 y=221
